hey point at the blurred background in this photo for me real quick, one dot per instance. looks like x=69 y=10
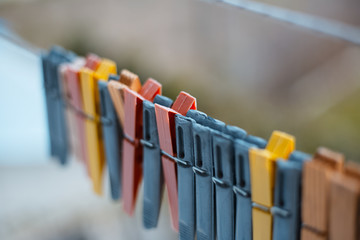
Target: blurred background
x=245 y=69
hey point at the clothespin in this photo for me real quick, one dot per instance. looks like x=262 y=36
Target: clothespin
x=152 y=167
x=72 y=77
x=133 y=132
x=186 y=182
x=70 y=112
x=317 y=175
x=203 y=129
x=91 y=100
x=262 y=170
x=113 y=136
x=165 y=120
x=54 y=102
x=242 y=186
x=223 y=152
x=113 y=133
x=116 y=89
x=287 y=197
x=345 y=203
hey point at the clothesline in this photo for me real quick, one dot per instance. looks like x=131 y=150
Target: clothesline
x=318 y=24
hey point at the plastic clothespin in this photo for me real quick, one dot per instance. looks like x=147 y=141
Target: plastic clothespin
x=262 y=170
x=54 y=101
x=186 y=182
x=70 y=111
x=317 y=176
x=287 y=197
x=72 y=74
x=165 y=121
x=113 y=136
x=202 y=129
x=133 y=133
x=223 y=154
x=91 y=100
x=152 y=167
x=345 y=204
x=116 y=89
x=242 y=185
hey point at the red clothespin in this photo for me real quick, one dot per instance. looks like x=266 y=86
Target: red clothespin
x=165 y=120
x=73 y=82
x=132 y=150
x=92 y=61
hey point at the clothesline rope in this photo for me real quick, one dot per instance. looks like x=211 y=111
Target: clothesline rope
x=329 y=27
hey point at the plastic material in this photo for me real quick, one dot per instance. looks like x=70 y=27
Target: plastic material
x=345 y=204
x=223 y=152
x=91 y=100
x=54 y=101
x=186 y=183
x=203 y=128
x=133 y=133
x=70 y=113
x=152 y=167
x=242 y=186
x=165 y=120
x=287 y=197
x=262 y=170
x=116 y=89
x=316 y=192
x=75 y=99
x=113 y=136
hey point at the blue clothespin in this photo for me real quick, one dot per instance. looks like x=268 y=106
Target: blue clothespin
x=287 y=199
x=54 y=101
x=152 y=167
x=242 y=186
x=223 y=147
x=186 y=183
x=112 y=135
x=203 y=128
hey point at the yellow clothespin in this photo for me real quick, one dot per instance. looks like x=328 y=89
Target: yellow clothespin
x=91 y=99
x=262 y=170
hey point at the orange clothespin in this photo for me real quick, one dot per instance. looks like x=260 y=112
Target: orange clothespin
x=317 y=175
x=132 y=150
x=165 y=120
x=116 y=90
x=345 y=203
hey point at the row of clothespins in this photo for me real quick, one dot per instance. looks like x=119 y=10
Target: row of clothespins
x=222 y=183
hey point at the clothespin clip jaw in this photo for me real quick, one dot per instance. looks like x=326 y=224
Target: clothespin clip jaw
x=287 y=196
x=184 y=141
x=262 y=169
x=152 y=167
x=223 y=155
x=165 y=120
x=262 y=166
x=242 y=184
x=116 y=88
x=91 y=100
x=133 y=133
x=315 y=205
x=344 y=203
x=92 y=61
